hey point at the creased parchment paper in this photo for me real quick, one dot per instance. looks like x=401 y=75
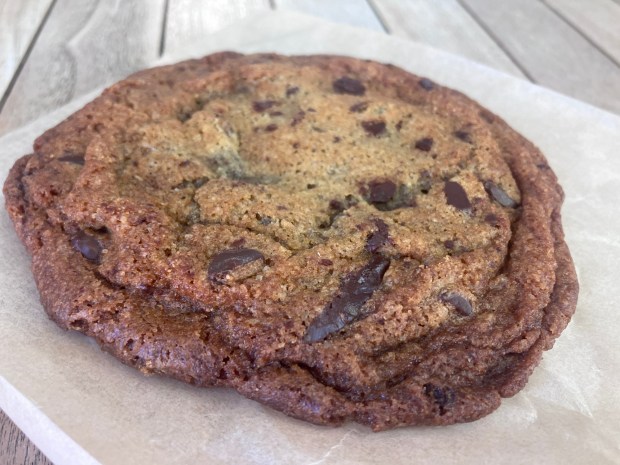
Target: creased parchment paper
x=79 y=405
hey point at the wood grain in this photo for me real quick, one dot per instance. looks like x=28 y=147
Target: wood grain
x=19 y=21
x=550 y=50
x=16 y=448
x=445 y=25
x=353 y=12
x=83 y=45
x=189 y=21
x=599 y=22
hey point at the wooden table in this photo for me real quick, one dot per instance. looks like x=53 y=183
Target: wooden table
x=52 y=51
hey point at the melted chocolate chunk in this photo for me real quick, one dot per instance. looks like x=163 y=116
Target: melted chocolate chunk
x=226 y=261
x=87 y=245
x=499 y=195
x=292 y=91
x=425 y=144
x=347 y=305
x=456 y=195
x=460 y=303
x=310 y=186
x=358 y=107
x=442 y=396
x=347 y=85
x=325 y=262
x=381 y=191
x=271 y=127
x=426 y=84
x=464 y=136
x=374 y=127
x=74 y=158
x=263 y=105
x=379 y=238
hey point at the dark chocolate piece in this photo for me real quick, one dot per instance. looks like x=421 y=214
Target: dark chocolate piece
x=263 y=105
x=464 y=136
x=426 y=84
x=374 y=127
x=381 y=191
x=442 y=396
x=460 y=303
x=358 y=107
x=425 y=144
x=226 y=261
x=347 y=305
x=456 y=195
x=499 y=195
x=347 y=85
x=87 y=245
x=74 y=158
x=378 y=238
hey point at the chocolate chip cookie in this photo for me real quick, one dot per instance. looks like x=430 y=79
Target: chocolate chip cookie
x=336 y=238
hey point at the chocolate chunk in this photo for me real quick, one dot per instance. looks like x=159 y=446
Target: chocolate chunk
x=358 y=107
x=456 y=195
x=448 y=244
x=271 y=127
x=442 y=396
x=492 y=219
x=426 y=84
x=499 y=195
x=75 y=158
x=292 y=91
x=298 y=118
x=87 y=245
x=460 y=303
x=226 y=261
x=374 y=127
x=238 y=242
x=346 y=306
x=347 y=85
x=425 y=144
x=464 y=136
x=336 y=205
x=381 y=191
x=325 y=262
x=263 y=105
x=379 y=238
x=310 y=186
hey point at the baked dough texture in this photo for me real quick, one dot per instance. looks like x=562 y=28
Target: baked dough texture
x=336 y=238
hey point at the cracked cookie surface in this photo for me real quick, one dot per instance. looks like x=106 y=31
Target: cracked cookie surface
x=336 y=238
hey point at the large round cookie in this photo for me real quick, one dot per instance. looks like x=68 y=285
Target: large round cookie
x=336 y=238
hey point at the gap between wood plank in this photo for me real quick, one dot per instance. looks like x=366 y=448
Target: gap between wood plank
x=377 y=13
x=25 y=57
x=579 y=31
x=496 y=40
x=162 y=42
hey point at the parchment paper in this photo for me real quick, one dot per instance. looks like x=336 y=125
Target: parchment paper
x=80 y=405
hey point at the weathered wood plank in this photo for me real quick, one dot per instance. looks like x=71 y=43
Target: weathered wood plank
x=354 y=12
x=445 y=25
x=598 y=20
x=19 y=21
x=551 y=51
x=188 y=21
x=83 y=45
x=16 y=448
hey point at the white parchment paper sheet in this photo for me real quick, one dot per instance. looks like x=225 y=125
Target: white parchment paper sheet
x=80 y=405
